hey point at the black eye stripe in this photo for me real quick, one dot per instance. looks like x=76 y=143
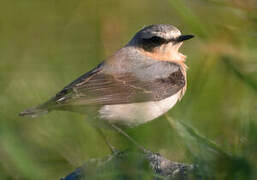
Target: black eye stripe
x=155 y=40
x=150 y=43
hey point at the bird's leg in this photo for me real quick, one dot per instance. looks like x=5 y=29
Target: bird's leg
x=111 y=147
x=129 y=138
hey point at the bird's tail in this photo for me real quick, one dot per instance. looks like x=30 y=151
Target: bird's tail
x=33 y=112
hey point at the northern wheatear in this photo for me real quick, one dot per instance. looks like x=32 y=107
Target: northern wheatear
x=137 y=84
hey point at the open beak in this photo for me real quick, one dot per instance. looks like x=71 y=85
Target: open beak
x=183 y=38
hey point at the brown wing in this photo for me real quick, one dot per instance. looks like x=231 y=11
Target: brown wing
x=98 y=88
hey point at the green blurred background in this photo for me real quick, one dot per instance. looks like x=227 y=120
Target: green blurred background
x=46 y=44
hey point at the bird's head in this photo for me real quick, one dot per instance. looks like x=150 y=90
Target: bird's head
x=162 y=41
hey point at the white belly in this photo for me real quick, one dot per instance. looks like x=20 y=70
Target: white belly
x=137 y=113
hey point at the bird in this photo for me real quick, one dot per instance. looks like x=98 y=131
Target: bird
x=138 y=83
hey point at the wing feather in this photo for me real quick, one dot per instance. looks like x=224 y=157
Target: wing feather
x=99 y=88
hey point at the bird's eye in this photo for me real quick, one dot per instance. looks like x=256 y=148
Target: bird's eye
x=150 y=43
x=156 y=40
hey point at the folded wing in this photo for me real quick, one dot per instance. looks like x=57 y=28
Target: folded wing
x=99 y=88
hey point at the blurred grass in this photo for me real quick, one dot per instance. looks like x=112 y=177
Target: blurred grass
x=247 y=80
x=46 y=44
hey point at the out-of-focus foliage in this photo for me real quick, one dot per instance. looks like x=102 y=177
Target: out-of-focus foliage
x=46 y=44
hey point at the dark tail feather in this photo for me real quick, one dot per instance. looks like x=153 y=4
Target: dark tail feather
x=33 y=112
